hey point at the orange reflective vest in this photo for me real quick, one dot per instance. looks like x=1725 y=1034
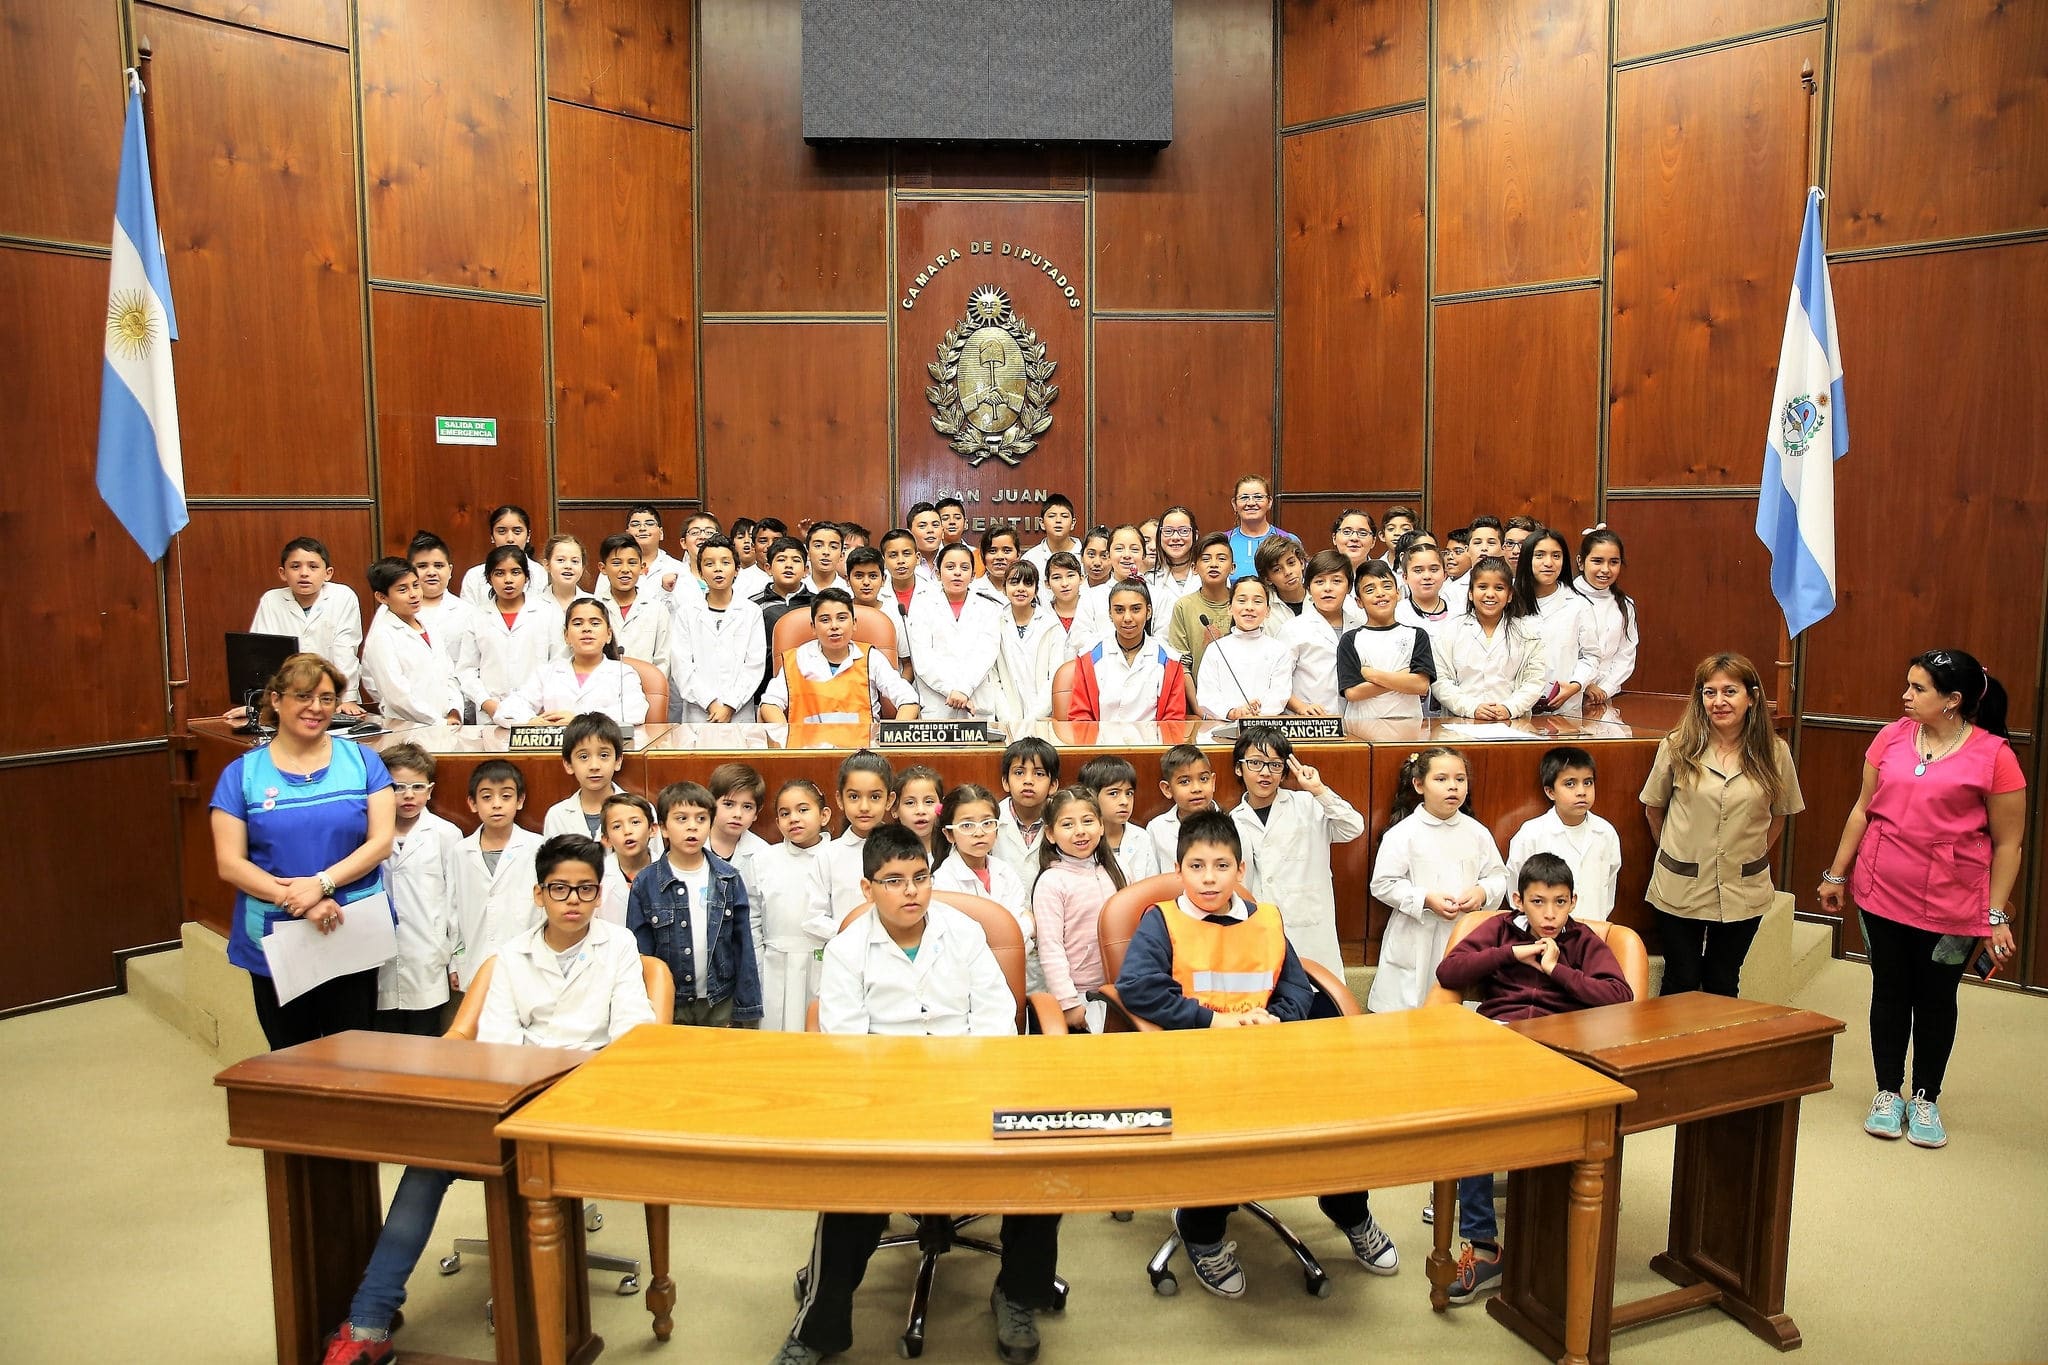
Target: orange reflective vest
x=1230 y=968
x=844 y=698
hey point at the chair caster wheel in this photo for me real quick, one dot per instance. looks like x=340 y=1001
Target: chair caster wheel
x=1123 y=1215
x=1059 y=1297
x=490 y=1317
x=803 y=1283
x=910 y=1348
x=451 y=1263
x=593 y=1219
x=1318 y=1286
x=1165 y=1284
x=628 y=1284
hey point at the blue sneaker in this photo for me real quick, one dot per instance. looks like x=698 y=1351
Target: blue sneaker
x=1478 y=1272
x=1923 y=1122
x=1887 y=1116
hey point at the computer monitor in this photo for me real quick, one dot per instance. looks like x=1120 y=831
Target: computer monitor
x=253 y=660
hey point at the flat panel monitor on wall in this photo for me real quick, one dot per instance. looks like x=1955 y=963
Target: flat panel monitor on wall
x=1083 y=71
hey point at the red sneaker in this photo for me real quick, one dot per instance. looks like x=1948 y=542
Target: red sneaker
x=344 y=1349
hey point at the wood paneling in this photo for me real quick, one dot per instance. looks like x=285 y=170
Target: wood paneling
x=1310 y=520
x=1946 y=455
x=1699 y=292
x=1191 y=225
x=1192 y=396
x=1352 y=321
x=1701 y=581
x=632 y=56
x=1521 y=108
x=1517 y=409
x=1054 y=231
x=796 y=420
x=230 y=560
x=322 y=21
x=1941 y=121
x=451 y=140
x=82 y=662
x=1646 y=26
x=61 y=102
x=591 y=525
x=624 y=334
x=1347 y=56
x=451 y=357
x=1830 y=775
x=56 y=954
x=787 y=227
x=256 y=195
x=933 y=167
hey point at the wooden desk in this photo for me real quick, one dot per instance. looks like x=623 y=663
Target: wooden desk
x=325 y=1113
x=704 y=1116
x=1729 y=1073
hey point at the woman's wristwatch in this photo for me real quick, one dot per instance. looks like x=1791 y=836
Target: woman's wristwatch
x=326 y=884
x=1999 y=917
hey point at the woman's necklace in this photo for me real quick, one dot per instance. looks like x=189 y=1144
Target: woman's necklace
x=1926 y=750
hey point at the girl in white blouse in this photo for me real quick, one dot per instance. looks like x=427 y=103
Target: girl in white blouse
x=1247 y=672
x=955 y=636
x=785 y=952
x=968 y=823
x=1489 y=662
x=1174 y=576
x=515 y=634
x=1614 y=615
x=1435 y=864
x=591 y=679
x=1543 y=580
x=1030 y=653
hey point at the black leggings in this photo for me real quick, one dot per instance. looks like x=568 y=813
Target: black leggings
x=331 y=1007
x=1703 y=955
x=1911 y=996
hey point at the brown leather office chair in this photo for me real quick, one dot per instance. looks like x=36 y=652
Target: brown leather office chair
x=870 y=627
x=1118 y=922
x=937 y=1234
x=654 y=683
x=1063 y=691
x=660 y=983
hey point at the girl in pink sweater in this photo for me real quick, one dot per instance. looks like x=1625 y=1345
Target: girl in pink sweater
x=1077 y=873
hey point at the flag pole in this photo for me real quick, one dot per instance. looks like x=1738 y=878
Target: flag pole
x=1791 y=661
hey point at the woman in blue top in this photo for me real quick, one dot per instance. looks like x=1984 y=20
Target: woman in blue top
x=301 y=828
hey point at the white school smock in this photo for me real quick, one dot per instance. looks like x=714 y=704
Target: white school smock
x=955 y=988
x=454 y=624
x=596 y=1001
x=1614 y=640
x=1592 y=850
x=492 y=908
x=1392 y=649
x=1314 y=642
x=1240 y=669
x=1090 y=626
x=883 y=681
x=612 y=688
x=1164 y=832
x=1167 y=590
x=717 y=657
x=650 y=588
x=1137 y=856
x=786 y=953
x=1128 y=690
x=1287 y=863
x=420 y=875
x=618 y=889
x=749 y=580
x=1565 y=622
x=957 y=654
x=642 y=632
x=333 y=629
x=508 y=655
x=1020 y=667
x=1006 y=889
x=1472 y=670
x=1419 y=855
x=836 y=875
x=407 y=674
x=476 y=587
x=1436 y=623
x=1017 y=847
x=566 y=817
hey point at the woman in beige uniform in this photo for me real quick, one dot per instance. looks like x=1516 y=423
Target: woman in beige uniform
x=1716 y=799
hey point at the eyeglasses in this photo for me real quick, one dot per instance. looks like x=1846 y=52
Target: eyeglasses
x=1251 y=497
x=1176 y=533
x=1265 y=765
x=326 y=700
x=973 y=826
x=563 y=892
x=412 y=788
x=896 y=886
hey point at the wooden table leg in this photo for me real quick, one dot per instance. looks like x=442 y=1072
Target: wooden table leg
x=325 y=1215
x=1443 y=1199
x=547 y=1249
x=661 y=1290
x=1582 y=1258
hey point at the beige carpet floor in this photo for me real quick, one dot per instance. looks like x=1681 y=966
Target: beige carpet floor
x=134 y=1233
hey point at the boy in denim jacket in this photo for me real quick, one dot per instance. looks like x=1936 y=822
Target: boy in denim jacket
x=690 y=910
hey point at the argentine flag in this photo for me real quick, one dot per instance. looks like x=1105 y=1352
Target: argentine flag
x=141 y=468
x=1809 y=431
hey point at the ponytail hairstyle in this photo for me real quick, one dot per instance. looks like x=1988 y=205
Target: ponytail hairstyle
x=1516 y=608
x=1595 y=538
x=611 y=644
x=1406 y=798
x=1954 y=673
x=1136 y=588
x=1048 y=851
x=1525 y=576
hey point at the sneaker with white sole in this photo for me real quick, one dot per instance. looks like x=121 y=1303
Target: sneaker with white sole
x=1923 y=1122
x=1215 y=1264
x=1887 y=1116
x=1373 y=1248
x=1429 y=1211
x=1478 y=1271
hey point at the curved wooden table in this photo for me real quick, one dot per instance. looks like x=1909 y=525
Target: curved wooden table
x=739 y=1119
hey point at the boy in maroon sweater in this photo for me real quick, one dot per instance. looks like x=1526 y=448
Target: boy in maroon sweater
x=1526 y=965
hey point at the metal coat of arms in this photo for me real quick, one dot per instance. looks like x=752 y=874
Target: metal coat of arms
x=991 y=393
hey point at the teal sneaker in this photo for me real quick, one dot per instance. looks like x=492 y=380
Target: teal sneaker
x=1923 y=1122
x=1887 y=1116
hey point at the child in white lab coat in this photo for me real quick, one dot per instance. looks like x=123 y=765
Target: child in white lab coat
x=1187 y=779
x=404 y=671
x=516 y=633
x=1327 y=613
x=452 y=622
x=1115 y=783
x=1570 y=829
x=1564 y=620
x=1435 y=864
x=866 y=798
x=322 y=613
x=593 y=751
x=640 y=619
x=955 y=636
x=420 y=874
x=494 y=888
x=1489 y=662
x=590 y=679
x=736 y=792
x=510 y=525
x=1614 y=614
x=1022 y=665
x=1248 y=672
x=630 y=834
x=718 y=648
x=968 y=820
x=787 y=952
x=920 y=792
x=1287 y=837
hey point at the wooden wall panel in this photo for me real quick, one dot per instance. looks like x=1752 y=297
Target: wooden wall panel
x=230 y=560
x=786 y=227
x=1702 y=583
x=796 y=420
x=632 y=56
x=1699 y=292
x=1345 y=56
x=1941 y=121
x=256 y=194
x=1646 y=26
x=61 y=102
x=934 y=167
x=591 y=525
x=451 y=139
x=82 y=662
x=1192 y=396
x=1517 y=409
x=1191 y=225
x=1352 y=321
x=1945 y=444
x=59 y=954
x=1310 y=520
x=624 y=330
x=1054 y=231
x=450 y=357
x=321 y=21
x=1521 y=108
x=1830 y=775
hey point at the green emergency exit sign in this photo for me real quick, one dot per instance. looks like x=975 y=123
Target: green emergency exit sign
x=466 y=431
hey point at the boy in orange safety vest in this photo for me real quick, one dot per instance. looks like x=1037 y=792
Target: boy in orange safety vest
x=1212 y=959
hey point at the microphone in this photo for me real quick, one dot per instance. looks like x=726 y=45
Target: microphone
x=1241 y=690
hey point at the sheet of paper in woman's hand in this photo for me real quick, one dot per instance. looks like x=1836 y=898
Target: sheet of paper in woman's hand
x=301 y=957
